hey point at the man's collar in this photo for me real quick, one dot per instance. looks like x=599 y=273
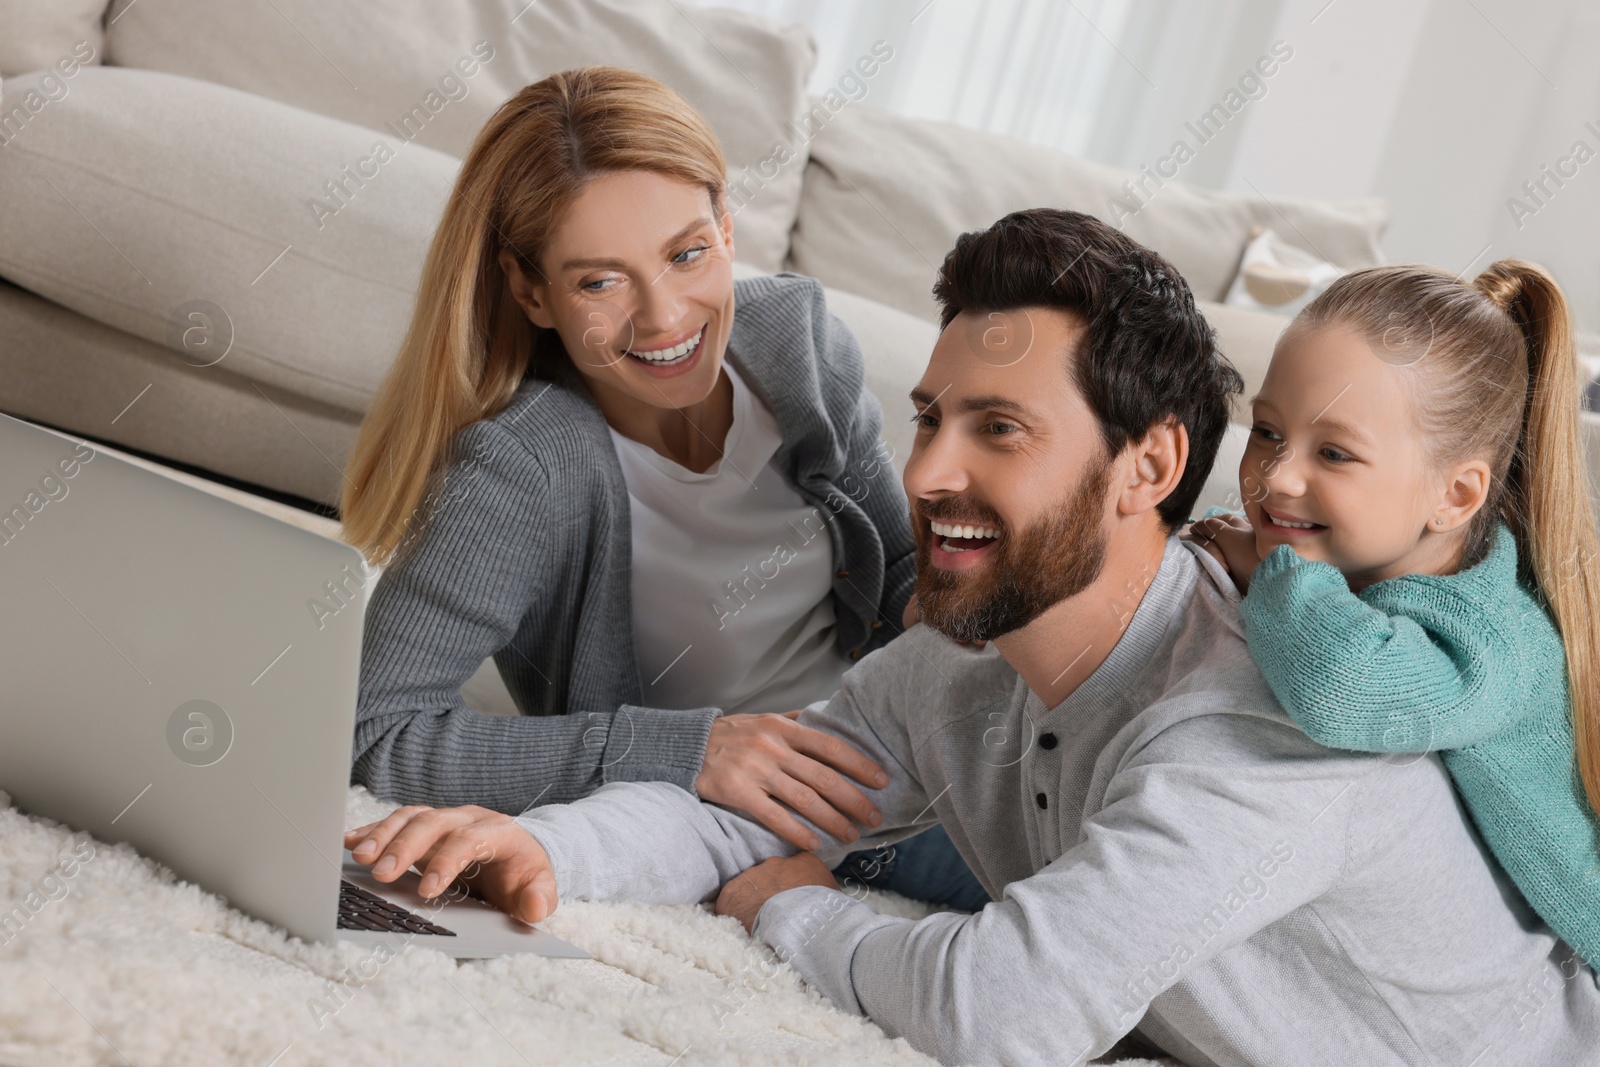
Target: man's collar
x=1158 y=609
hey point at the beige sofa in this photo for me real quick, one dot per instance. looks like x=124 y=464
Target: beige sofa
x=213 y=212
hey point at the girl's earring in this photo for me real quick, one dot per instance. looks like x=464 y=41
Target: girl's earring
x=1438 y=522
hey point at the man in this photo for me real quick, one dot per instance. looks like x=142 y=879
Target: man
x=1166 y=850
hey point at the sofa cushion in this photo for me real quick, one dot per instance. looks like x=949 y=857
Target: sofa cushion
x=896 y=347
x=1246 y=337
x=885 y=197
x=396 y=71
x=1221 y=488
x=1279 y=276
x=130 y=222
x=84 y=377
x=35 y=34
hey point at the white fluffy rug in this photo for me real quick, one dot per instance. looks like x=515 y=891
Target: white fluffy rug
x=120 y=963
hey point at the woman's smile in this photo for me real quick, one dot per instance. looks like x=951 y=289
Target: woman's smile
x=673 y=357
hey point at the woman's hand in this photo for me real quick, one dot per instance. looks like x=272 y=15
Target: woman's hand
x=759 y=763
x=1231 y=541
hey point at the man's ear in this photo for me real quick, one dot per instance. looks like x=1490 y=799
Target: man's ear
x=1158 y=463
x=1466 y=489
x=530 y=294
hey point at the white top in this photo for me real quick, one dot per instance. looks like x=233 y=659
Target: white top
x=732 y=575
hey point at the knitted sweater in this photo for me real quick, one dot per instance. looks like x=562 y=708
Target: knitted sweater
x=528 y=559
x=1467 y=664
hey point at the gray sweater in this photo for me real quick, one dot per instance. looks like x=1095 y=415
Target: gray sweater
x=527 y=559
x=1167 y=853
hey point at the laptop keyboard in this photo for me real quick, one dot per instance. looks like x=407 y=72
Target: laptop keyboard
x=361 y=910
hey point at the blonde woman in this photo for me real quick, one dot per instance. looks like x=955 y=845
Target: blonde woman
x=652 y=494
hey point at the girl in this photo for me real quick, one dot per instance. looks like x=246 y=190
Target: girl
x=1420 y=558
x=674 y=504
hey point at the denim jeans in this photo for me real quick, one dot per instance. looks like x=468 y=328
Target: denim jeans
x=924 y=867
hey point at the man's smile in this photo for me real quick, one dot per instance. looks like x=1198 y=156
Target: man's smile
x=960 y=546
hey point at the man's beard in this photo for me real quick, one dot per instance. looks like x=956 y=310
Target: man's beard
x=1031 y=571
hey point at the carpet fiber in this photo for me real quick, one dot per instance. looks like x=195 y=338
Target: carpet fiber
x=118 y=962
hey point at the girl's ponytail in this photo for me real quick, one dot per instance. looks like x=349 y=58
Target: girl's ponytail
x=1547 y=492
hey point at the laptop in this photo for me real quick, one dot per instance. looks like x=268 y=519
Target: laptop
x=180 y=673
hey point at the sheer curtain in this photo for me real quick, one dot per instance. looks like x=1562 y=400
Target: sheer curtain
x=1443 y=108
x=1110 y=80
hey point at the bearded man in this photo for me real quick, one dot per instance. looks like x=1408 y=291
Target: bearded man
x=1166 y=851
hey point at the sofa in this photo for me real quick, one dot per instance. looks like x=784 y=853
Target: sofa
x=213 y=212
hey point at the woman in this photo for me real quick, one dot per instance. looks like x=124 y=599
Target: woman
x=652 y=494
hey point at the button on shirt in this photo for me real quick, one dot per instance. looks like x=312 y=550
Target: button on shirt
x=732 y=575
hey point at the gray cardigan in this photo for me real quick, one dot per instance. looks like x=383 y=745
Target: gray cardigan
x=527 y=558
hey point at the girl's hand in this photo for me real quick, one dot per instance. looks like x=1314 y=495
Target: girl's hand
x=759 y=763
x=913 y=613
x=1231 y=541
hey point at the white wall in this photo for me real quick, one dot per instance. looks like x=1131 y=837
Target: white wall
x=1442 y=107
x=1321 y=129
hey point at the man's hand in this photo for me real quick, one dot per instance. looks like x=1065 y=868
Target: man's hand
x=1230 y=540
x=743 y=896
x=489 y=851
x=759 y=763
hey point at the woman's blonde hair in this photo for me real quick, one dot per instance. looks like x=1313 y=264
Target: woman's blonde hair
x=469 y=344
x=1494 y=375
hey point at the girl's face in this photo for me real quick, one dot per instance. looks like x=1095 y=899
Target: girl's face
x=638 y=281
x=1335 y=465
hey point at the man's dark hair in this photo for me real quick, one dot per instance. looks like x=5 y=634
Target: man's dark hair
x=1148 y=352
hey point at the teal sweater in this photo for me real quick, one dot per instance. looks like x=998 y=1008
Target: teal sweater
x=1469 y=665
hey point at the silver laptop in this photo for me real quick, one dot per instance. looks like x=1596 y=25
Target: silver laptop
x=171 y=681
